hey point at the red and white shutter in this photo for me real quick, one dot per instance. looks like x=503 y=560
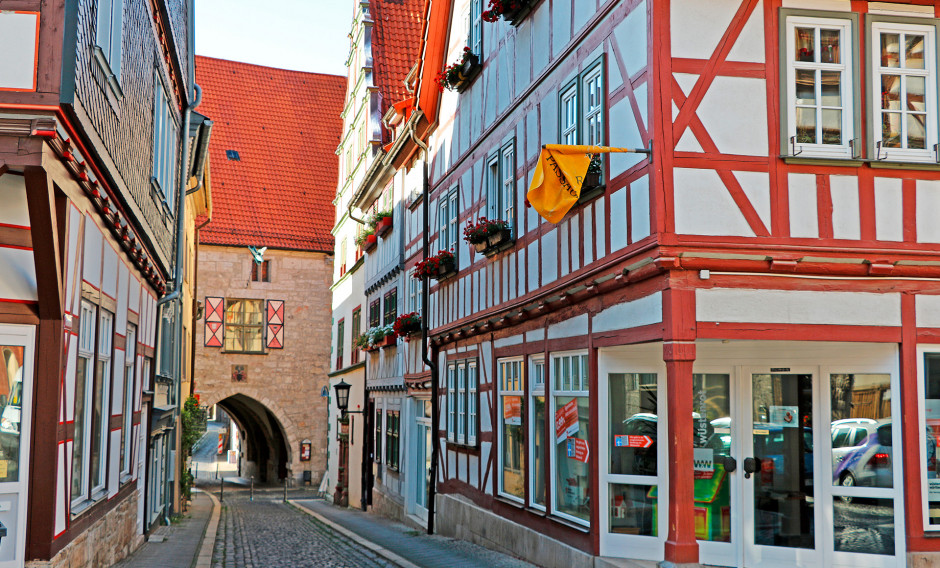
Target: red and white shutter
x=215 y=311
x=275 y=324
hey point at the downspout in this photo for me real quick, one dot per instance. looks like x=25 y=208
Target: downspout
x=430 y=361
x=178 y=270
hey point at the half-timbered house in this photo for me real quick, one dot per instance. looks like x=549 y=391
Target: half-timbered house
x=96 y=148
x=727 y=352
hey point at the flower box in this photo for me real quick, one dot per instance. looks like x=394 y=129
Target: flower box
x=481 y=246
x=458 y=76
x=369 y=243
x=383 y=226
x=439 y=267
x=593 y=184
x=407 y=325
x=388 y=341
x=446 y=269
x=513 y=11
x=470 y=69
x=498 y=242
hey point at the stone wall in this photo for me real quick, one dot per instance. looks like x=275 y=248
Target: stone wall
x=109 y=540
x=289 y=381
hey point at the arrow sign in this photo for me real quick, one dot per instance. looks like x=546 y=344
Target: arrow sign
x=631 y=441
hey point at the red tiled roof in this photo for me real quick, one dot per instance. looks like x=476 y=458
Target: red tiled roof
x=396 y=40
x=285 y=126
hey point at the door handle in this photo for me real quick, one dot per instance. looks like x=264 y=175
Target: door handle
x=729 y=463
x=751 y=465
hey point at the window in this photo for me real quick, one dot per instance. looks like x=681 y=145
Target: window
x=581 y=108
x=391 y=306
x=500 y=184
x=569 y=115
x=165 y=134
x=233 y=155
x=340 y=335
x=462 y=402
x=449 y=220
x=130 y=358
x=475 y=35
x=84 y=383
x=570 y=408
x=244 y=326
x=355 y=331
x=108 y=35
x=393 y=422
x=537 y=443
x=378 y=435
x=415 y=295
x=261 y=272
x=904 y=83
x=820 y=87
x=511 y=434
x=101 y=404
x=375 y=314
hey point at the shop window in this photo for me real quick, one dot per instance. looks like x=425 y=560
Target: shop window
x=511 y=433
x=820 y=87
x=904 y=96
x=570 y=466
x=711 y=437
x=633 y=406
x=462 y=402
x=537 y=442
x=244 y=326
x=392 y=425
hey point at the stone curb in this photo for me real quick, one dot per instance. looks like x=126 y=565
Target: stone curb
x=204 y=558
x=378 y=549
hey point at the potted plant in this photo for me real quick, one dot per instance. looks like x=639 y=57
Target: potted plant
x=367 y=239
x=381 y=336
x=457 y=76
x=438 y=267
x=593 y=183
x=488 y=236
x=513 y=11
x=407 y=325
x=362 y=342
x=382 y=222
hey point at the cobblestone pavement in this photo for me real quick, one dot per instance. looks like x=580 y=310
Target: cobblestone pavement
x=266 y=533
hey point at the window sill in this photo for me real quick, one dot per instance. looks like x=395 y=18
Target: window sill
x=885 y=164
x=511 y=501
x=114 y=86
x=87 y=504
x=570 y=524
x=823 y=161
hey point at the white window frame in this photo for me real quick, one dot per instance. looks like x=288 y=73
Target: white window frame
x=593 y=105
x=88 y=322
x=462 y=389
x=451 y=402
x=492 y=179
x=105 y=345
x=931 y=153
x=108 y=35
x=511 y=382
x=130 y=364
x=557 y=389
x=922 y=351
x=475 y=33
x=847 y=68
x=536 y=388
x=461 y=404
x=449 y=220
x=165 y=140
x=568 y=119
x=500 y=179
x=472 y=388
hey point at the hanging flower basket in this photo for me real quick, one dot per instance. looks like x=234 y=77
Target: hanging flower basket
x=488 y=236
x=458 y=76
x=383 y=226
x=407 y=325
x=438 y=267
x=513 y=11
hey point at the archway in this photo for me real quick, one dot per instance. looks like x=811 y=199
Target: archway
x=265 y=454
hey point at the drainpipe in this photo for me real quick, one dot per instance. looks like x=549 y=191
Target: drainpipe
x=178 y=269
x=428 y=359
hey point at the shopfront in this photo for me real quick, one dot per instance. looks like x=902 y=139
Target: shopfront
x=796 y=459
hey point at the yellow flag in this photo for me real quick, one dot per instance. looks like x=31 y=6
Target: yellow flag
x=559 y=174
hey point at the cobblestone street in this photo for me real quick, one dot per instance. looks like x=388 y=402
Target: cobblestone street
x=267 y=533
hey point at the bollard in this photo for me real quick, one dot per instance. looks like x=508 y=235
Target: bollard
x=285 y=490
x=251 y=490
x=222 y=491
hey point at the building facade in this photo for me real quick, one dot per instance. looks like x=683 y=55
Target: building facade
x=719 y=353
x=265 y=260
x=95 y=143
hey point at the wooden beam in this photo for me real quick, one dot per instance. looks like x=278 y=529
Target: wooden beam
x=40 y=199
x=15 y=237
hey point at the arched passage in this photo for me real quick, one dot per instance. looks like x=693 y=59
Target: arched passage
x=265 y=450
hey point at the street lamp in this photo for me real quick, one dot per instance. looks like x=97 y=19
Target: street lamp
x=342 y=398
x=342 y=403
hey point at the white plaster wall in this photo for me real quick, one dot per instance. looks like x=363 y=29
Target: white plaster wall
x=692 y=39
x=19 y=36
x=91 y=271
x=756 y=186
x=889 y=215
x=18 y=277
x=797 y=307
x=632 y=38
x=636 y=313
x=640 y=211
x=703 y=205
x=927 y=310
x=734 y=111
x=846 y=219
x=804 y=220
x=618 y=219
x=750 y=45
x=928 y=211
x=12 y=188
x=572 y=327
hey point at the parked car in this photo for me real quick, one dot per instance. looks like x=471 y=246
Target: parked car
x=871 y=463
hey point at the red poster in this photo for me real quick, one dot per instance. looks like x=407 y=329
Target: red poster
x=566 y=421
x=512 y=410
x=578 y=449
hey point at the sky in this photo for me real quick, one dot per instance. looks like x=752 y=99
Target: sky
x=302 y=35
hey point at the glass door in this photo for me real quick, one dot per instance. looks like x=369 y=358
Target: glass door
x=781 y=516
x=16 y=402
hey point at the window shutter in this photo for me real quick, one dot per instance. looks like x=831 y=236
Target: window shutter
x=275 y=324
x=215 y=310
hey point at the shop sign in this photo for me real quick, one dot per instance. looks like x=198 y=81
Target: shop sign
x=703 y=460
x=578 y=449
x=512 y=410
x=566 y=421
x=786 y=416
x=631 y=441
